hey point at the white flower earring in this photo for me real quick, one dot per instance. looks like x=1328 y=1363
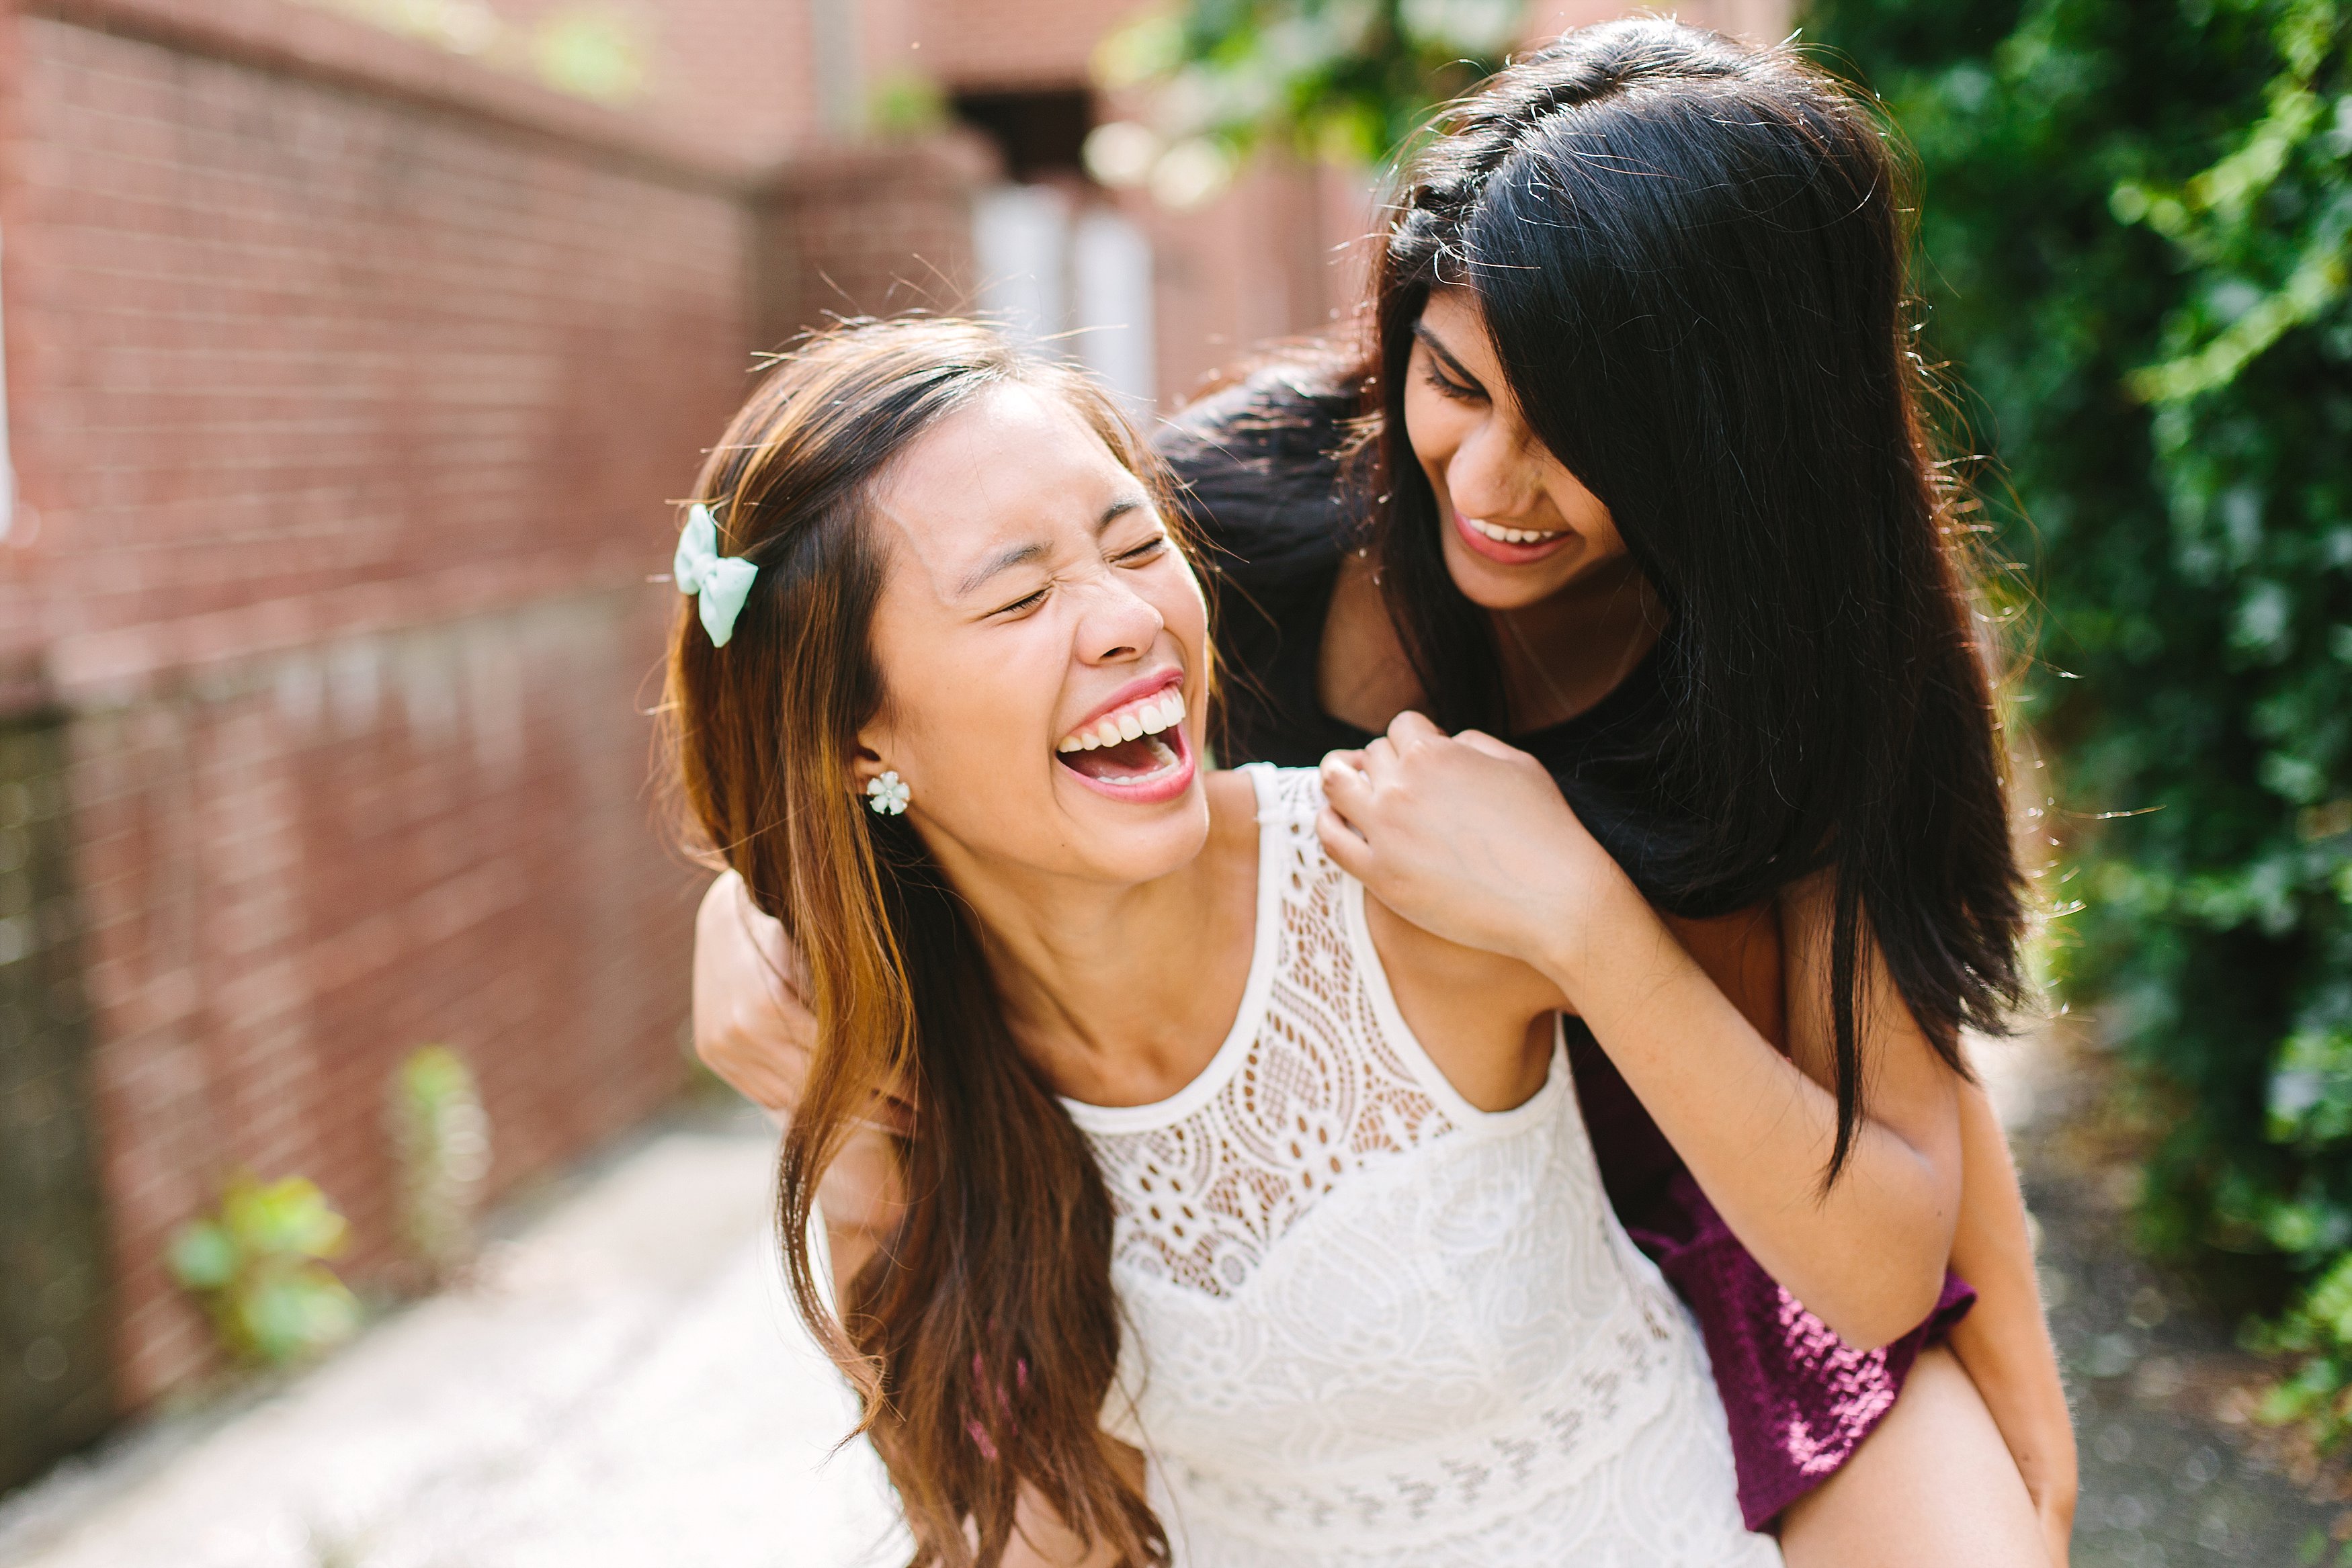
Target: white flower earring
x=887 y=794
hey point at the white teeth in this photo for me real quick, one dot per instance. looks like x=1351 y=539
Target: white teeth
x=1502 y=535
x=1148 y=718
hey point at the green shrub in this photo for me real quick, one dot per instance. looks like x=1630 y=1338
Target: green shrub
x=1343 y=81
x=257 y=1267
x=2136 y=236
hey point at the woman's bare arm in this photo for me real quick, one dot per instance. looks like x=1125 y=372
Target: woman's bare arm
x=1471 y=840
x=2004 y=1342
x=751 y=1029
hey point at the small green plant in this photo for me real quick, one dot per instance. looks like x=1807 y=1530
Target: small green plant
x=441 y=1137
x=597 y=52
x=259 y=1266
x=903 y=105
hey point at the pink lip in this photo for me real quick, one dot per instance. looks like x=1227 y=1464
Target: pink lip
x=1496 y=550
x=1134 y=691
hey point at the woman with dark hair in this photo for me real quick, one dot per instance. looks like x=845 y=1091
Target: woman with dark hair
x=1643 y=487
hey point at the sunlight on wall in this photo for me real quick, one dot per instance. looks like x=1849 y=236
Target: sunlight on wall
x=595 y=50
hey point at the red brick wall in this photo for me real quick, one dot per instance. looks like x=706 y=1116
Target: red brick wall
x=301 y=872
x=349 y=382
x=350 y=422
x=1011 y=43
x=868 y=233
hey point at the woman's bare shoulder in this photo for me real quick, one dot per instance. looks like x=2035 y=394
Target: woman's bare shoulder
x=1473 y=1011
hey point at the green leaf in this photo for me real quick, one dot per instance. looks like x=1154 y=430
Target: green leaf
x=203 y=1257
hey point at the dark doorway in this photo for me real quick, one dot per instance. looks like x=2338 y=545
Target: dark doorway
x=1040 y=133
x=55 y=1389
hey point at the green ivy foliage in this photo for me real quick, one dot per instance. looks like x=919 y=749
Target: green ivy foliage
x=1347 y=81
x=2135 y=237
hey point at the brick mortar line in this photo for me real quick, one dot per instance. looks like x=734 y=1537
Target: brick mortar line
x=252 y=666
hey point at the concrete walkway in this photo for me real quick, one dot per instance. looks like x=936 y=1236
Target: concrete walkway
x=625 y=1386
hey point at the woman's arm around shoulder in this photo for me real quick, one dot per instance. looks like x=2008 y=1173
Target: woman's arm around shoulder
x=2003 y=1343
x=1471 y=840
x=749 y=1025
x=751 y=1030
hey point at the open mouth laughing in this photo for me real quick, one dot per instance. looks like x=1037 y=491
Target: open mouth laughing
x=1134 y=748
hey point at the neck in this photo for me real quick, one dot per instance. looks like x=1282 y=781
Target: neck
x=1565 y=653
x=1120 y=993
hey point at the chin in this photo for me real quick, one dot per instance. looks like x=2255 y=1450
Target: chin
x=1490 y=585
x=1134 y=844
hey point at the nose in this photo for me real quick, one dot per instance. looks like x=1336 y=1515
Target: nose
x=1490 y=474
x=1119 y=625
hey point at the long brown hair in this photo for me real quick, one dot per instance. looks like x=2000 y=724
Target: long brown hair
x=982 y=1336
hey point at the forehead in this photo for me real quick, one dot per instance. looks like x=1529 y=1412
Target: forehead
x=1455 y=318
x=1013 y=465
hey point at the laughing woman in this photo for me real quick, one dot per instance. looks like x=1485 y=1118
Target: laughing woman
x=1647 y=494
x=1248 y=1225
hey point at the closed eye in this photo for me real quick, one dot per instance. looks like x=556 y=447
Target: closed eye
x=1446 y=386
x=1140 y=555
x=1026 y=601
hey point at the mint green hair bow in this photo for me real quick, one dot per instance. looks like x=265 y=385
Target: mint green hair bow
x=719 y=582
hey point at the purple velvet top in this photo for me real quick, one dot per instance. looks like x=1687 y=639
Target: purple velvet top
x=1256 y=462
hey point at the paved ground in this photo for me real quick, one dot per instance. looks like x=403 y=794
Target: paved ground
x=625 y=1388
x=621 y=1390
x=2174 y=1473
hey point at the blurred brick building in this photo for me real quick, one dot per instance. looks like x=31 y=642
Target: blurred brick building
x=350 y=371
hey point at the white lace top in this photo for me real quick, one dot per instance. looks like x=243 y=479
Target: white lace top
x=1370 y=1324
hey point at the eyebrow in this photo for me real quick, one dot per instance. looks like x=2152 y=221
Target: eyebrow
x=1429 y=340
x=1021 y=555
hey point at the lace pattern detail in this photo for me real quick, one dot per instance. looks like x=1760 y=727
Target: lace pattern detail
x=1372 y=1326
x=1315 y=1092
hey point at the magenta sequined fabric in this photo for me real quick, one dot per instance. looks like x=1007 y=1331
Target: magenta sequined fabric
x=1800 y=1399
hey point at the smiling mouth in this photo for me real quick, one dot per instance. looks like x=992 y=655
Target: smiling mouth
x=1136 y=744
x=1502 y=536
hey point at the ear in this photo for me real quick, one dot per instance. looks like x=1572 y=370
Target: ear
x=867 y=761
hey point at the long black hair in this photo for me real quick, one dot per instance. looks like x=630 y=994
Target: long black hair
x=1690 y=256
